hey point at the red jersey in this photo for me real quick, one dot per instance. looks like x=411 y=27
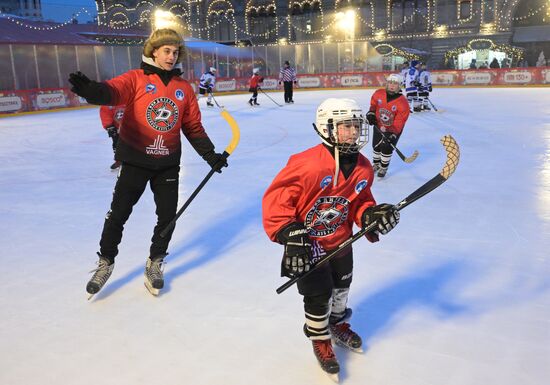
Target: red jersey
x=154 y=117
x=392 y=115
x=255 y=81
x=303 y=192
x=111 y=116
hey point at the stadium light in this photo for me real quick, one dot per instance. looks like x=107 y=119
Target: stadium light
x=163 y=19
x=345 y=21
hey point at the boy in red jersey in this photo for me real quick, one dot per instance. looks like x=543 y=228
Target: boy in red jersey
x=254 y=83
x=111 y=118
x=160 y=106
x=310 y=208
x=389 y=110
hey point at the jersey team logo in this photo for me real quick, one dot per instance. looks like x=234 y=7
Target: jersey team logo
x=179 y=94
x=360 y=186
x=386 y=117
x=162 y=114
x=326 y=181
x=326 y=215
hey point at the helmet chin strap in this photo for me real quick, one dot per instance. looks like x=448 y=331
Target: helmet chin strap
x=336 y=165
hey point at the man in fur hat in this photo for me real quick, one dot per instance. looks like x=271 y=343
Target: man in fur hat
x=160 y=107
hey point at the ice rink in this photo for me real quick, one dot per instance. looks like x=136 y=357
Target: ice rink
x=457 y=294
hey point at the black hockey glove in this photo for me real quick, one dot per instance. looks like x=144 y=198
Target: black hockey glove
x=216 y=160
x=371 y=118
x=112 y=132
x=93 y=92
x=385 y=215
x=392 y=138
x=81 y=84
x=429 y=88
x=297 y=255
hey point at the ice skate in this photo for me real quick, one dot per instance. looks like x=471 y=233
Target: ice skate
x=343 y=336
x=327 y=359
x=376 y=167
x=251 y=103
x=210 y=104
x=256 y=103
x=382 y=172
x=154 y=278
x=100 y=277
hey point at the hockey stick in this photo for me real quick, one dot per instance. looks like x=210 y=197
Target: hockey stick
x=405 y=159
x=434 y=107
x=228 y=151
x=263 y=92
x=453 y=157
x=215 y=101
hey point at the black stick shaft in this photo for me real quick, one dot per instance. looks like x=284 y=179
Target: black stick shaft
x=265 y=93
x=399 y=153
x=427 y=187
x=172 y=223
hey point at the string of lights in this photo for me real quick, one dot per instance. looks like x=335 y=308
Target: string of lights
x=120 y=19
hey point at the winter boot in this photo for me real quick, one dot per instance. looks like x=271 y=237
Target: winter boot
x=104 y=269
x=154 y=278
x=116 y=165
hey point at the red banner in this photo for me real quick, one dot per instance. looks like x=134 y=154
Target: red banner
x=55 y=98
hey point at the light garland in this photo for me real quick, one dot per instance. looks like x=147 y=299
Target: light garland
x=510 y=51
x=459 y=8
x=120 y=18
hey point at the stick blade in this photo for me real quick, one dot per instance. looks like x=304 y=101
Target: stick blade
x=413 y=157
x=453 y=156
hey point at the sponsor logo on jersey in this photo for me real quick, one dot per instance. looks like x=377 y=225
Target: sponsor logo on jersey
x=157 y=148
x=179 y=94
x=162 y=114
x=326 y=181
x=150 y=88
x=386 y=117
x=360 y=186
x=326 y=215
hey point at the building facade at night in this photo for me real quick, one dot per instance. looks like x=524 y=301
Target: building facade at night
x=436 y=27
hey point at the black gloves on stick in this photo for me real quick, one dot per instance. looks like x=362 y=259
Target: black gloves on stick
x=297 y=255
x=385 y=215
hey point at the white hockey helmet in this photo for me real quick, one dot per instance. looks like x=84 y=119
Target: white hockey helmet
x=255 y=70
x=212 y=69
x=394 y=78
x=333 y=111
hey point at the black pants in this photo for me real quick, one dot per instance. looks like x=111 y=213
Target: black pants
x=129 y=187
x=317 y=287
x=288 y=92
x=381 y=145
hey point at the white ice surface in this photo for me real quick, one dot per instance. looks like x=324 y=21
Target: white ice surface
x=457 y=294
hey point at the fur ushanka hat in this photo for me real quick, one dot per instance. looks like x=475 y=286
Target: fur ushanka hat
x=162 y=37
